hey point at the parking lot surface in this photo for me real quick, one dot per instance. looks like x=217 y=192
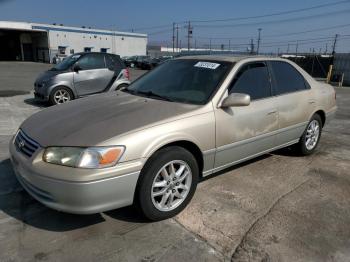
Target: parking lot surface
x=279 y=207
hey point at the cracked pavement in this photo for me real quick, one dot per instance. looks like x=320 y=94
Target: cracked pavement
x=278 y=207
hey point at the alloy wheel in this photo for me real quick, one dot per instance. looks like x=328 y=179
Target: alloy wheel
x=171 y=185
x=312 y=134
x=61 y=96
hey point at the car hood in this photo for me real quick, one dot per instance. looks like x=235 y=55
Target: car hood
x=90 y=121
x=47 y=75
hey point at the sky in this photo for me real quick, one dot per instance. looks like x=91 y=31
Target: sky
x=311 y=28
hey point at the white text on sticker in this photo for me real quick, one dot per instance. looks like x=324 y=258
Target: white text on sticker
x=207 y=65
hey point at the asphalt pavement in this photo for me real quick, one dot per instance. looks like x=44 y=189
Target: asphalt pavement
x=278 y=207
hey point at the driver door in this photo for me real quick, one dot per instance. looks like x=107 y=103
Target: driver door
x=93 y=76
x=246 y=131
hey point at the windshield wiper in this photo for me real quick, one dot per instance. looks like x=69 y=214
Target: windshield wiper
x=152 y=94
x=147 y=94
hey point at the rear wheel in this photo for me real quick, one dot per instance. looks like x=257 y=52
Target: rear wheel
x=167 y=183
x=60 y=95
x=311 y=136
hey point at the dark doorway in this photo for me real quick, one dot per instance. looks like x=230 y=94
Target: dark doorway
x=20 y=45
x=10 y=47
x=28 y=52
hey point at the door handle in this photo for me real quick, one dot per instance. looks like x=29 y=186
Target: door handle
x=272 y=112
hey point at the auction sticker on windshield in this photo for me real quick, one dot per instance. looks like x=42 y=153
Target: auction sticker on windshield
x=207 y=65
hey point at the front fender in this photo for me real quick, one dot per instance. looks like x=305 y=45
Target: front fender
x=66 y=84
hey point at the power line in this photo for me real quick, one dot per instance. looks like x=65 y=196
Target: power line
x=300 y=18
x=308 y=31
x=277 y=35
x=273 y=14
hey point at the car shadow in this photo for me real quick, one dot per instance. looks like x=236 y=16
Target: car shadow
x=234 y=167
x=287 y=151
x=18 y=204
x=35 y=102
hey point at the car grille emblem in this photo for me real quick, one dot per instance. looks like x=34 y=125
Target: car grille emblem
x=21 y=144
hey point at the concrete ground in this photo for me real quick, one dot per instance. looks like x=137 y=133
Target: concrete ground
x=279 y=207
x=19 y=77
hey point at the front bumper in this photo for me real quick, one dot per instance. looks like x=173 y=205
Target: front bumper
x=79 y=197
x=40 y=92
x=41 y=97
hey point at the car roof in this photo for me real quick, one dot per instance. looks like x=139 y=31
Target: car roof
x=231 y=58
x=84 y=53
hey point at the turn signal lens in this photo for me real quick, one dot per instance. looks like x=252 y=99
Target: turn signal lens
x=110 y=156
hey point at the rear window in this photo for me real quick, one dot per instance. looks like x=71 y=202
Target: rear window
x=287 y=78
x=114 y=63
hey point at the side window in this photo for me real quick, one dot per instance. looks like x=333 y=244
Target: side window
x=287 y=78
x=253 y=79
x=113 y=63
x=92 y=61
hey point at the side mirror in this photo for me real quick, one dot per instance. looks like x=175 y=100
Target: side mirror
x=76 y=67
x=236 y=99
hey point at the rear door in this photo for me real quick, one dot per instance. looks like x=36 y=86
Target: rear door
x=243 y=132
x=294 y=98
x=93 y=76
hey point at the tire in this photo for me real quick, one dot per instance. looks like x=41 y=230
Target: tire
x=66 y=95
x=170 y=189
x=121 y=86
x=311 y=136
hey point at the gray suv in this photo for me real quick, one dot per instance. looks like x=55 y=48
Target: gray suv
x=79 y=75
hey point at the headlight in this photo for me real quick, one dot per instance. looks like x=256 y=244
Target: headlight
x=91 y=157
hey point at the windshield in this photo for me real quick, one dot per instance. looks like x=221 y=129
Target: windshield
x=66 y=63
x=186 y=81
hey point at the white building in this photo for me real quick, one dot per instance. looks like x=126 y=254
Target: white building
x=41 y=42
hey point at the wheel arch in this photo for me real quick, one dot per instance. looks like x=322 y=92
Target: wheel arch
x=189 y=146
x=322 y=114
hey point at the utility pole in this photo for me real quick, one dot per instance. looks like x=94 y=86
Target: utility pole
x=334 y=44
x=259 y=38
x=278 y=51
x=177 y=37
x=326 y=50
x=189 y=35
x=296 y=48
x=173 y=37
x=251 y=46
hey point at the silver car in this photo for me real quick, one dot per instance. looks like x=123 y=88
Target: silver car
x=80 y=75
x=151 y=142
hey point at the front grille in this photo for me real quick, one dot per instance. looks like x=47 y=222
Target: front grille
x=25 y=144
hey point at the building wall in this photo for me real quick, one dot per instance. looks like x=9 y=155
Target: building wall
x=122 y=45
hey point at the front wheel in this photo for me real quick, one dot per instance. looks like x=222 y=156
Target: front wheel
x=60 y=95
x=311 y=136
x=167 y=183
